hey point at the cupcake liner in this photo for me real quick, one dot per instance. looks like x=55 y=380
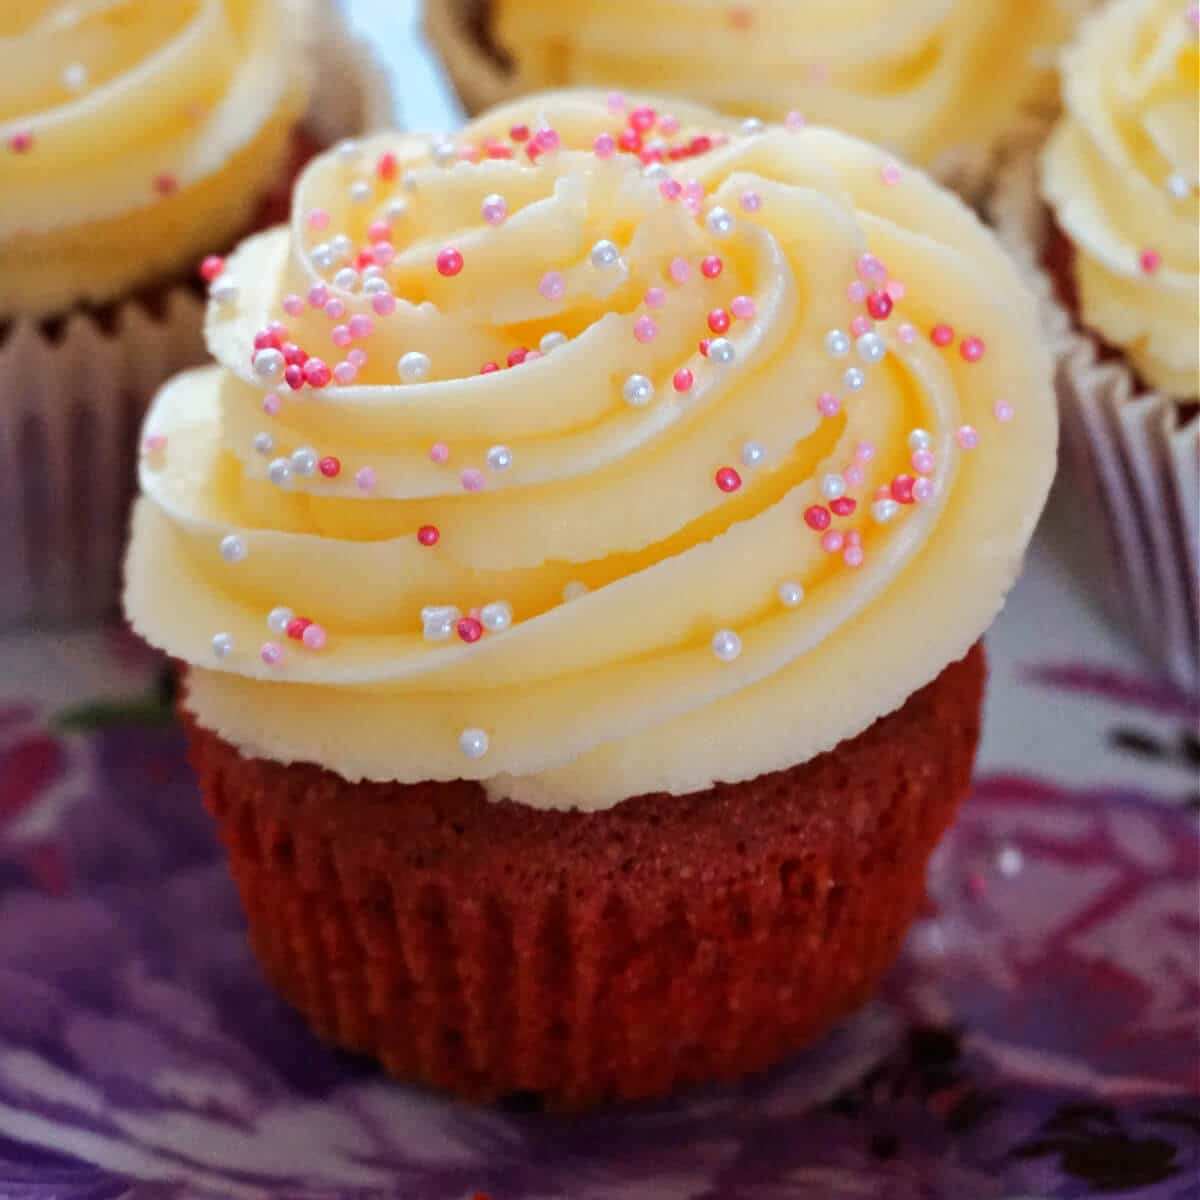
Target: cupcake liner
x=73 y=393
x=492 y=949
x=457 y=29
x=1130 y=453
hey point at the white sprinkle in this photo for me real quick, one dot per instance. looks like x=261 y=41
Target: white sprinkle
x=473 y=743
x=837 y=343
x=753 y=453
x=264 y=443
x=233 y=549
x=1010 y=861
x=75 y=77
x=499 y=458
x=833 y=487
x=871 y=347
x=445 y=154
x=304 y=461
x=346 y=280
x=396 y=210
x=854 y=379
x=790 y=594
x=575 y=590
x=552 y=341
x=656 y=171
x=268 y=363
x=605 y=253
x=222 y=645
x=348 y=150
x=360 y=191
x=438 y=621
x=1177 y=185
x=375 y=285
x=342 y=247
x=413 y=366
x=920 y=439
x=751 y=126
x=496 y=617
x=726 y=645
x=719 y=221
x=722 y=351
x=278 y=619
x=638 y=391
x=884 y=510
x=224 y=290
x=279 y=472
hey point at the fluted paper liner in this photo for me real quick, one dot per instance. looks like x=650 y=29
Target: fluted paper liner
x=458 y=31
x=1128 y=453
x=73 y=395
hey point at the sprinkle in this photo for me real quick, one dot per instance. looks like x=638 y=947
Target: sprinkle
x=605 y=254
x=718 y=320
x=222 y=645
x=166 y=184
x=790 y=594
x=295 y=628
x=856 y=293
x=517 y=356
x=711 y=267
x=680 y=270
x=469 y=630
x=902 y=489
x=833 y=486
x=719 y=221
x=268 y=363
x=317 y=373
x=971 y=349
x=833 y=541
x=941 y=335
x=794 y=121
x=922 y=462
x=967 y=437
x=864 y=452
x=728 y=480
x=890 y=174
x=923 y=490
x=837 y=343
x=271 y=653
x=722 y=351
x=638 y=390
x=449 y=262
x=413 y=366
x=751 y=201
x=870 y=267
x=278 y=620
x=860 y=325
x=473 y=743
x=472 y=479
x=726 y=645
x=644 y=329
x=272 y=404
x=1177 y=186
x=438 y=621
x=496 y=617
x=853 y=475
x=318 y=296
x=428 y=535
x=1003 y=411
x=154 y=443
x=279 y=471
x=547 y=140
x=264 y=443
x=499 y=458
x=552 y=286
x=683 y=380
x=1150 y=261
x=314 y=637
x=907 y=333
x=211 y=267
x=605 y=145
x=817 y=517
x=884 y=510
x=843 y=506
x=365 y=479
x=75 y=77
x=345 y=373
x=854 y=379
x=330 y=467
x=753 y=453
x=494 y=208
x=852 y=556
x=879 y=305
x=743 y=307
x=920 y=439
x=552 y=341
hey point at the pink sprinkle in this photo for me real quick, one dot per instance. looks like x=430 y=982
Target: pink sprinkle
x=853 y=537
x=316 y=373
x=967 y=437
x=923 y=490
x=361 y=326
x=644 y=329
x=907 y=333
x=861 y=325
x=711 y=267
x=742 y=307
x=941 y=335
x=853 y=475
x=293 y=305
x=271 y=653
x=547 y=140
x=616 y=102
x=439 y=452
x=971 y=349
x=853 y=556
x=318 y=218
x=869 y=267
x=340 y=335
x=383 y=253
x=314 y=638
x=890 y=174
x=832 y=541
x=345 y=373
x=365 y=479
x=857 y=292
x=680 y=270
x=655 y=297
x=693 y=189
x=379 y=231
x=895 y=289
x=533 y=356
x=494 y=210
x=922 y=462
x=605 y=145
x=683 y=380
x=335 y=309
x=864 y=452
x=1150 y=261
x=449 y=262
x=155 y=443
x=828 y=405
x=318 y=295
x=21 y=143
x=272 y=404
x=472 y=479
x=794 y=121
x=1003 y=411
x=552 y=286
x=358 y=357
x=384 y=303
x=211 y=267
x=751 y=201
x=668 y=125
x=671 y=189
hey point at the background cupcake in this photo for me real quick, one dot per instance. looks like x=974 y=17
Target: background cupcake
x=946 y=85
x=579 y=570
x=1108 y=218
x=135 y=139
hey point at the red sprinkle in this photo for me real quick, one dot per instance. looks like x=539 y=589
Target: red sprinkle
x=517 y=357
x=701 y=144
x=265 y=339
x=1150 y=261
x=211 y=267
x=296 y=627
x=428 y=535
x=843 y=506
x=711 y=267
x=469 y=629
x=642 y=119
x=718 y=320
x=941 y=335
x=683 y=380
x=293 y=375
x=293 y=355
x=519 y=133
x=817 y=517
x=971 y=349
x=728 y=480
x=166 y=185
x=21 y=143
x=629 y=141
x=488 y=368
x=704 y=345
x=330 y=467
x=902 y=489
x=317 y=373
x=449 y=262
x=495 y=150
x=879 y=305
x=387 y=166
x=365 y=259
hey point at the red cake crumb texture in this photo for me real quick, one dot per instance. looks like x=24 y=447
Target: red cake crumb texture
x=491 y=948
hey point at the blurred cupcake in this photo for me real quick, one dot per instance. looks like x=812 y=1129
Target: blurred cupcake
x=917 y=77
x=135 y=138
x=580 y=570
x=1113 y=236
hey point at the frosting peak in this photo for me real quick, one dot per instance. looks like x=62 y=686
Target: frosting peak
x=532 y=458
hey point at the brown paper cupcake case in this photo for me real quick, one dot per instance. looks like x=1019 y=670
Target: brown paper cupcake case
x=1131 y=456
x=73 y=394
x=479 y=71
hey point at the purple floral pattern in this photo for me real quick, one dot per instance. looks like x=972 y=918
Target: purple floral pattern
x=1020 y=1048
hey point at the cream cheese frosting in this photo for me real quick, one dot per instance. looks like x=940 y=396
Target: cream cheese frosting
x=527 y=462
x=925 y=78
x=136 y=134
x=1121 y=172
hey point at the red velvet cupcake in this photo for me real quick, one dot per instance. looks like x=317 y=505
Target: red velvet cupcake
x=580 y=585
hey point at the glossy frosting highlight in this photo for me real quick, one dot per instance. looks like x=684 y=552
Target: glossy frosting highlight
x=134 y=134
x=1121 y=172
x=919 y=77
x=663 y=563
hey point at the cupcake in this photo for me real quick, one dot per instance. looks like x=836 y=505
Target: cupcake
x=580 y=569
x=1106 y=221
x=136 y=138
x=918 y=77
